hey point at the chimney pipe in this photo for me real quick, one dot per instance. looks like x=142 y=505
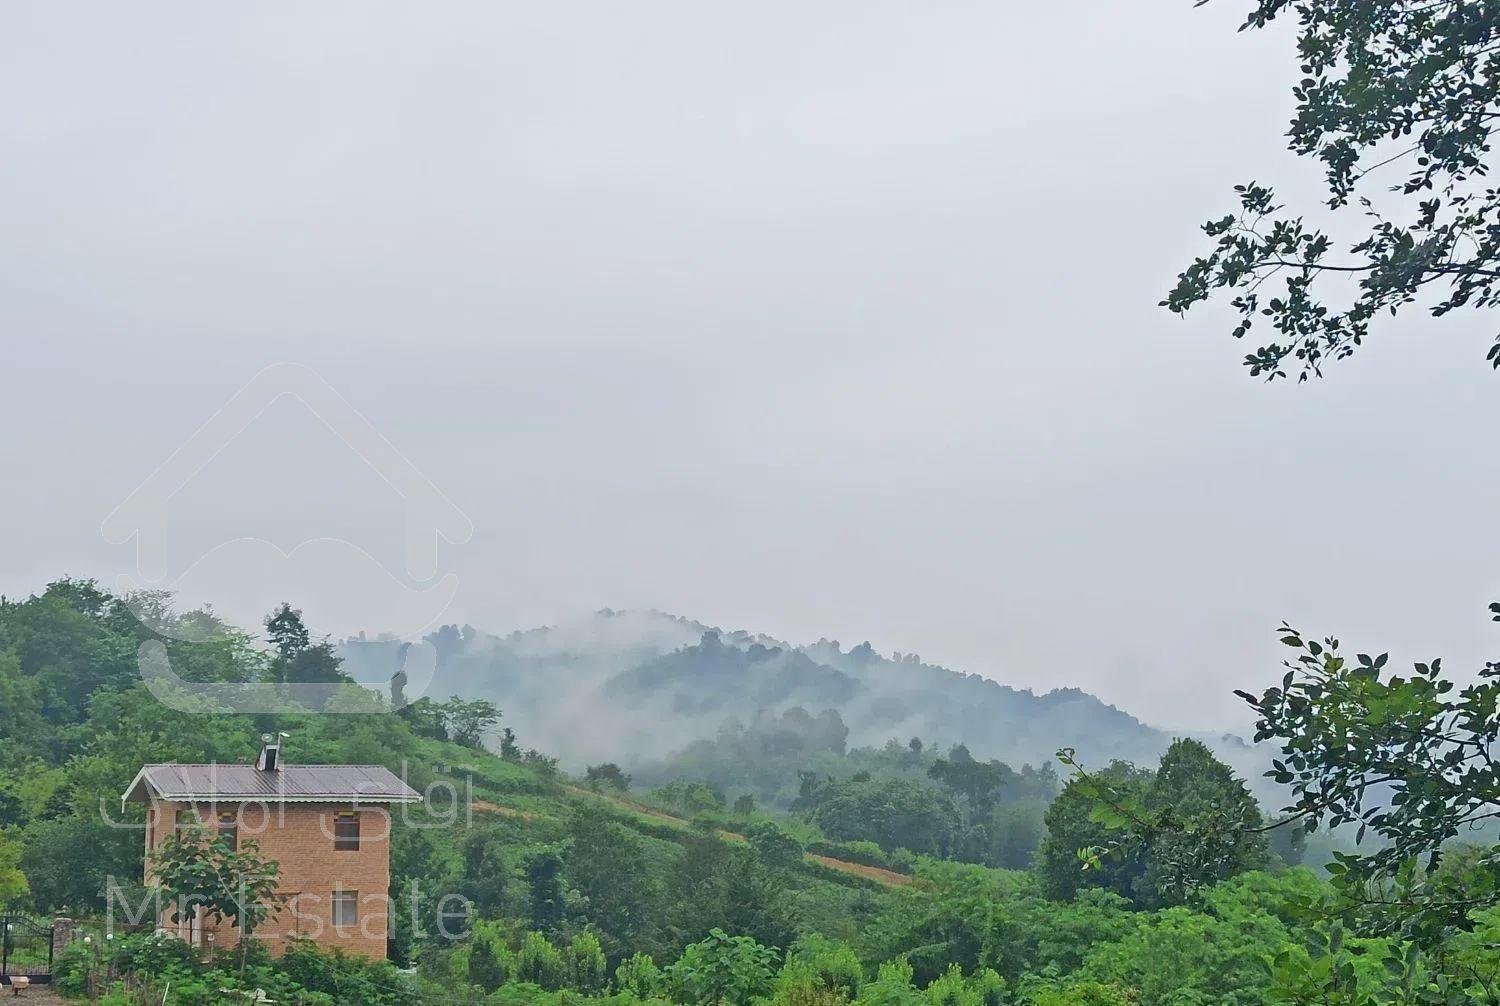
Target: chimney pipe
x=270 y=753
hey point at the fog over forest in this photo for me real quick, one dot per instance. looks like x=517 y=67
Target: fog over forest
x=847 y=331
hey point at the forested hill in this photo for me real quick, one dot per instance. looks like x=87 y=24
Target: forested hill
x=639 y=685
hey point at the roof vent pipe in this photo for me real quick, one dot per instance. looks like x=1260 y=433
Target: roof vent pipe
x=270 y=753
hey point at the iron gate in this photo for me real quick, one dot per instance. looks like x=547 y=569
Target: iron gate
x=25 y=948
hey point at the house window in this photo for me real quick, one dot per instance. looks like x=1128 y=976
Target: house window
x=345 y=908
x=346 y=833
x=229 y=828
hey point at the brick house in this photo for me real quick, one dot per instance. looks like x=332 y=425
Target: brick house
x=327 y=826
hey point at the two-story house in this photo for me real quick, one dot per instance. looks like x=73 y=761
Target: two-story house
x=327 y=826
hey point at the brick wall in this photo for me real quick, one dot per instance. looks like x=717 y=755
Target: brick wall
x=300 y=837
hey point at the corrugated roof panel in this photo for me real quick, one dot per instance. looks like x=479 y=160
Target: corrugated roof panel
x=302 y=783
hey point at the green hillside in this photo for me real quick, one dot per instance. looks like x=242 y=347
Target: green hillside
x=517 y=883
x=635 y=686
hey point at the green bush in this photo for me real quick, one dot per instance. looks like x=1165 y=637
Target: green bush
x=820 y=962
x=70 y=971
x=540 y=963
x=639 y=976
x=587 y=969
x=774 y=846
x=1082 y=994
x=488 y=966
x=153 y=954
x=732 y=970
x=892 y=987
x=335 y=973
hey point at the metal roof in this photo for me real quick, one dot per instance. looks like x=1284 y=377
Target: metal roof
x=288 y=784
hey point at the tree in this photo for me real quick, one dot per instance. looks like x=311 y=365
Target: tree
x=468 y=720
x=485 y=873
x=286 y=632
x=540 y=963
x=1406 y=84
x=774 y=847
x=1220 y=834
x=753 y=900
x=1066 y=862
x=978 y=783
x=606 y=863
x=639 y=976
x=297 y=659
x=818 y=962
x=606 y=776
x=203 y=872
x=548 y=896
x=714 y=884
x=587 y=968
x=1161 y=837
x=13 y=884
x=893 y=813
x=68 y=860
x=426 y=718
x=690 y=796
x=486 y=966
x=730 y=970
x=1407 y=759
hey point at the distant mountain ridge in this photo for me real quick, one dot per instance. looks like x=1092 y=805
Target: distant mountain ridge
x=630 y=686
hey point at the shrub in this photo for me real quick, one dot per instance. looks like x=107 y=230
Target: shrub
x=487 y=968
x=818 y=961
x=70 y=971
x=335 y=973
x=773 y=846
x=733 y=970
x=153 y=954
x=586 y=965
x=892 y=987
x=982 y=988
x=540 y=963
x=809 y=994
x=639 y=976
x=1083 y=994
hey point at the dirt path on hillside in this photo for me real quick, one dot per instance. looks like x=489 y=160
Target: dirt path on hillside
x=889 y=878
x=486 y=807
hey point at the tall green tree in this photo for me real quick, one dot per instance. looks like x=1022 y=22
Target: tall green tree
x=200 y=871
x=1396 y=101
x=548 y=903
x=606 y=864
x=1213 y=825
x=1407 y=759
x=1069 y=860
x=488 y=967
x=13 y=885
x=298 y=660
x=978 y=783
x=1159 y=838
x=468 y=720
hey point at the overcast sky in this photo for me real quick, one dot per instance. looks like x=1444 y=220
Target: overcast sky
x=820 y=320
